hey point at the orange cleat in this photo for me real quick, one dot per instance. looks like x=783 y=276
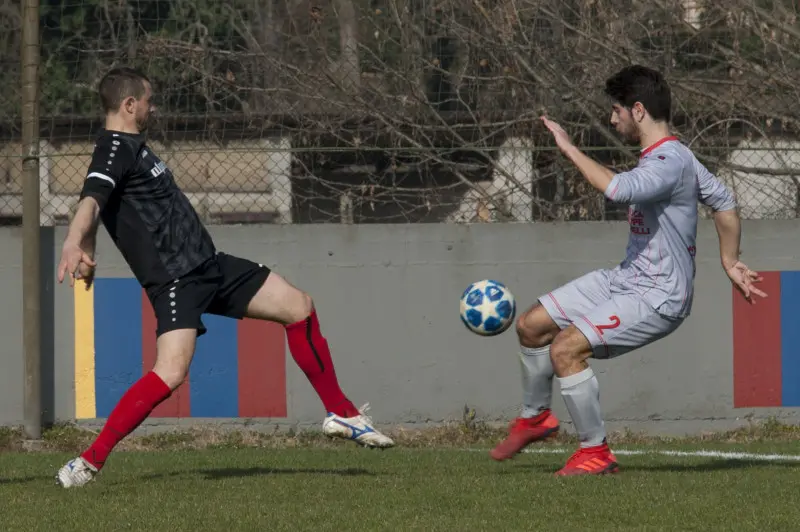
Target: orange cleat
x=523 y=432
x=598 y=460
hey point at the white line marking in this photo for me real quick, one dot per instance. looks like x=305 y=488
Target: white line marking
x=725 y=455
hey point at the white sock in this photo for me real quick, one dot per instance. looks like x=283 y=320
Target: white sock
x=581 y=393
x=537 y=380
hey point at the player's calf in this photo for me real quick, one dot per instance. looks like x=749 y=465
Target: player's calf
x=536 y=331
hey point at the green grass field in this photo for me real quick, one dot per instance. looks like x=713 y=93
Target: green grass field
x=237 y=484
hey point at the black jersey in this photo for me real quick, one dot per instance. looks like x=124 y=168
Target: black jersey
x=150 y=220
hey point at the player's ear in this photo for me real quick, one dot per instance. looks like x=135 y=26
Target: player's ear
x=129 y=104
x=638 y=111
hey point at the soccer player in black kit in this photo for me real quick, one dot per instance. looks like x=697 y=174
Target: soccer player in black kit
x=159 y=234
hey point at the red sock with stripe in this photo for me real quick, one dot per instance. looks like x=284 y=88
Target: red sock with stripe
x=133 y=408
x=311 y=353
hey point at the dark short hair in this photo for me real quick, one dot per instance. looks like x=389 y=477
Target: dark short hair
x=641 y=84
x=120 y=83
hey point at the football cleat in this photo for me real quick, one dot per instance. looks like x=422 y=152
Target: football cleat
x=358 y=428
x=598 y=460
x=523 y=432
x=75 y=473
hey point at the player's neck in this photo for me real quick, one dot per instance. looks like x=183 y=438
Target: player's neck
x=116 y=123
x=654 y=134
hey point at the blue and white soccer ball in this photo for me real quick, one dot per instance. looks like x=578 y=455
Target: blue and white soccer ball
x=488 y=307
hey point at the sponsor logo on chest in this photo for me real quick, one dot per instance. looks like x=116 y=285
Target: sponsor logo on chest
x=158 y=169
x=637 y=222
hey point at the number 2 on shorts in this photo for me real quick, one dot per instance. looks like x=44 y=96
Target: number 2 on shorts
x=613 y=325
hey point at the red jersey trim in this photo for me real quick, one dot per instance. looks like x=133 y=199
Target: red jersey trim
x=656 y=145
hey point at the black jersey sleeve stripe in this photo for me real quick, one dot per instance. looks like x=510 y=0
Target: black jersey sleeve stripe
x=104 y=177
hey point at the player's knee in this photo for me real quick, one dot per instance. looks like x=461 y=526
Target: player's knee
x=306 y=304
x=175 y=351
x=172 y=378
x=172 y=370
x=299 y=306
x=173 y=373
x=278 y=300
x=524 y=331
x=535 y=330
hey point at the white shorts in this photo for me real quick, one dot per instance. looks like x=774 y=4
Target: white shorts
x=614 y=323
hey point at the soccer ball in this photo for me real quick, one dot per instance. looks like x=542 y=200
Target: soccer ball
x=488 y=307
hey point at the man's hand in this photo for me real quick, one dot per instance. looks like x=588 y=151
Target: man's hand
x=595 y=173
x=79 y=246
x=744 y=279
x=77 y=263
x=86 y=273
x=562 y=139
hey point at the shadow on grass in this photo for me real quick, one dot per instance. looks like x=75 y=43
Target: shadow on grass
x=213 y=474
x=711 y=465
x=233 y=472
x=230 y=472
x=26 y=480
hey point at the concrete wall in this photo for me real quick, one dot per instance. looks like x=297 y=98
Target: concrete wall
x=388 y=303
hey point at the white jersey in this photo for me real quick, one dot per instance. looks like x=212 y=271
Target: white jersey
x=663 y=193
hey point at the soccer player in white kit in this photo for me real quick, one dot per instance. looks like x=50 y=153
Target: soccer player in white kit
x=608 y=312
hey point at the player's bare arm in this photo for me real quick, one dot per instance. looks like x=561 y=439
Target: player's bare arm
x=595 y=173
x=77 y=253
x=729 y=231
x=714 y=194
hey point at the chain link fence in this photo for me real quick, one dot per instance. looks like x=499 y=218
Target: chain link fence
x=398 y=111
x=10 y=114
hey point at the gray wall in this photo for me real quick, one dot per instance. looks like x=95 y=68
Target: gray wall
x=388 y=299
x=12 y=371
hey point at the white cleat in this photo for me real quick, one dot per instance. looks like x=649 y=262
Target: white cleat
x=76 y=473
x=358 y=428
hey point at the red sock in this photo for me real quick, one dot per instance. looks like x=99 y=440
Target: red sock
x=310 y=350
x=131 y=410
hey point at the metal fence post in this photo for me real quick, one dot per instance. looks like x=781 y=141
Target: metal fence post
x=31 y=279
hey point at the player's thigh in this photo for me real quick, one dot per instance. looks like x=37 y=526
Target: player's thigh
x=178 y=307
x=622 y=324
x=252 y=290
x=567 y=303
x=181 y=303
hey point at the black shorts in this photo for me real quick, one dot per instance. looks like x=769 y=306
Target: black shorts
x=223 y=285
